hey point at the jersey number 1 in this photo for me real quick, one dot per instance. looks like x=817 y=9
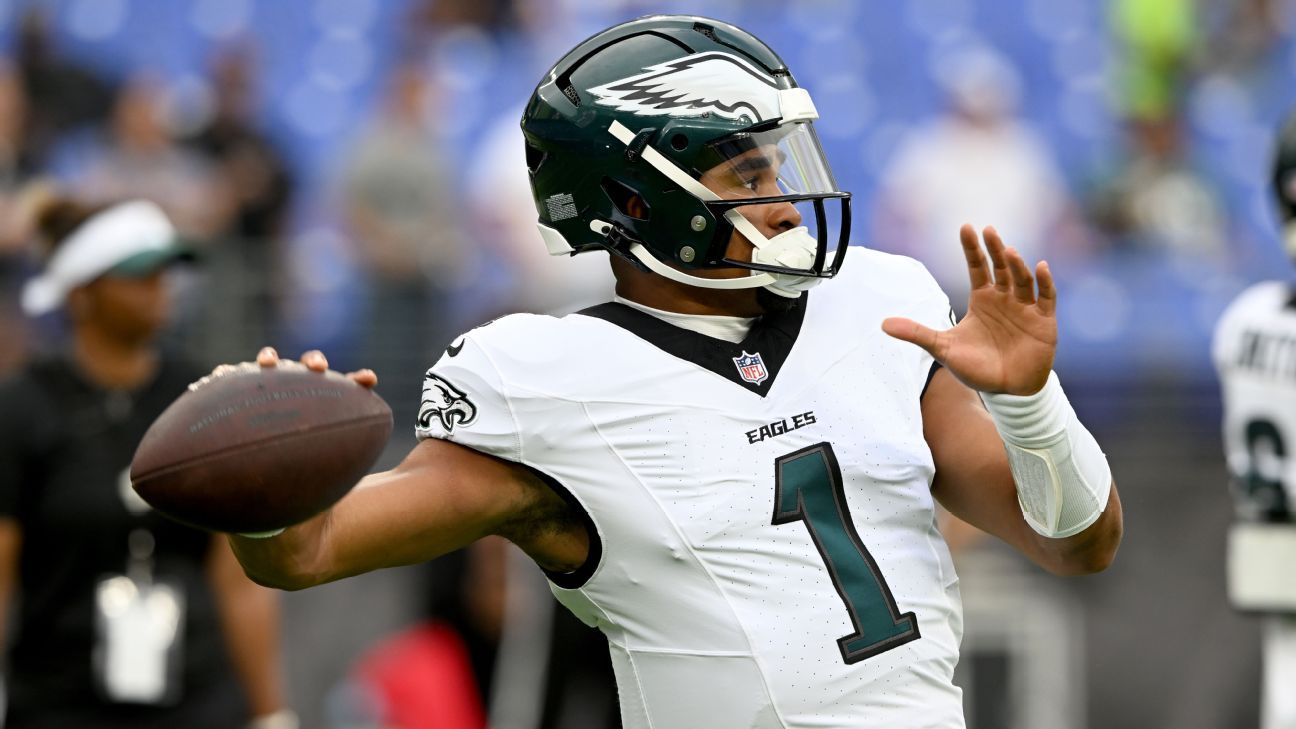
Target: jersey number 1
x=808 y=487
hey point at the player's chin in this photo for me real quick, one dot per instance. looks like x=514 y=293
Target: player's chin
x=772 y=303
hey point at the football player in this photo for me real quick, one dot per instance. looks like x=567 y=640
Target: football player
x=1255 y=354
x=732 y=469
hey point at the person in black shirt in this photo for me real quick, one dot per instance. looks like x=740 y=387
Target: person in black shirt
x=125 y=618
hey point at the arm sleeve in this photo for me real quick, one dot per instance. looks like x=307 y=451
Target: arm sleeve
x=464 y=401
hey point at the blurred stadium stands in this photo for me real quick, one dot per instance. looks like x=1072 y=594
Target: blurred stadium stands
x=1136 y=317
x=872 y=66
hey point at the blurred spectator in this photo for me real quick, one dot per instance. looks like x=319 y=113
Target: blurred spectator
x=62 y=95
x=430 y=17
x=1245 y=33
x=16 y=168
x=247 y=265
x=402 y=210
x=503 y=214
x=1159 y=38
x=16 y=162
x=1155 y=199
x=979 y=164
x=254 y=171
x=126 y=619
x=139 y=158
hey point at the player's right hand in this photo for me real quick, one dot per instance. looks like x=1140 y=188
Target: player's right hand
x=316 y=361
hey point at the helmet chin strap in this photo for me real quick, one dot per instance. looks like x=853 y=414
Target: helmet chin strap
x=1289 y=239
x=654 y=264
x=794 y=248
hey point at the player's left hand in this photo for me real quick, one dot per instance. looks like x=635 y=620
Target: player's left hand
x=1007 y=340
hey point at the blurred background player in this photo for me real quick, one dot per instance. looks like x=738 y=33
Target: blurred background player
x=1255 y=352
x=125 y=619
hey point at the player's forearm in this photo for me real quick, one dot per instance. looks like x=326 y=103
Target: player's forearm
x=441 y=498
x=1090 y=551
x=292 y=560
x=1062 y=476
x=976 y=479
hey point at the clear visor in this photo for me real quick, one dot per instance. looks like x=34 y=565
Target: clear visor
x=786 y=160
x=779 y=181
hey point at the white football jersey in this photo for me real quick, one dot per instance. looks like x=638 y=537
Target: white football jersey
x=766 y=550
x=1255 y=354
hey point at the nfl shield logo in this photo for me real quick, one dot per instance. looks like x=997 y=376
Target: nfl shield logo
x=751 y=367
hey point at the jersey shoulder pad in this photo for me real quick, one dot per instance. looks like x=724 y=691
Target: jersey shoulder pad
x=532 y=350
x=1259 y=300
x=497 y=380
x=879 y=285
x=888 y=275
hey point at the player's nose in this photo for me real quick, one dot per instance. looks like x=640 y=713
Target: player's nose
x=783 y=216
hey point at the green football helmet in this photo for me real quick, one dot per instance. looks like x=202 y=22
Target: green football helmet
x=649 y=139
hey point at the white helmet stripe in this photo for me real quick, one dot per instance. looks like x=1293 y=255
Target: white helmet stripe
x=664 y=166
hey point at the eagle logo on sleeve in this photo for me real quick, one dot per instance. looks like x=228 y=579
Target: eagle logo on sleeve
x=444 y=403
x=714 y=82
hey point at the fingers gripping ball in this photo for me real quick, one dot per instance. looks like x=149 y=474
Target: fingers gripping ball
x=255 y=449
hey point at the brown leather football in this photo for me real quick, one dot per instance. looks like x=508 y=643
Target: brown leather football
x=257 y=449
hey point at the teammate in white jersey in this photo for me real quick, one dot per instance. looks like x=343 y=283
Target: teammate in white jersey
x=735 y=478
x=1255 y=354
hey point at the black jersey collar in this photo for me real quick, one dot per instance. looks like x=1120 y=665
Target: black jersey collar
x=753 y=363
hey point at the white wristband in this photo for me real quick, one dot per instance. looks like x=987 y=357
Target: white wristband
x=1063 y=480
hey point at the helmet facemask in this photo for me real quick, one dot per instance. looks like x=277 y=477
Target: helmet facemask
x=742 y=175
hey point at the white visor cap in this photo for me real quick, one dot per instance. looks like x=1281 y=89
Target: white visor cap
x=136 y=230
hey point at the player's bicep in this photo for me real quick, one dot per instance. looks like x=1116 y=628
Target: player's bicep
x=442 y=497
x=973 y=480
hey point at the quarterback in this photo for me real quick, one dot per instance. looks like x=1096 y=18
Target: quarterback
x=732 y=469
x=1255 y=354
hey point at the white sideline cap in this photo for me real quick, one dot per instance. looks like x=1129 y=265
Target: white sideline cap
x=131 y=239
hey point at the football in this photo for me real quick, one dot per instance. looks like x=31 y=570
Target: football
x=255 y=449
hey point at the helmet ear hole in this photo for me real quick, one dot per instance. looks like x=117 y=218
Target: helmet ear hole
x=534 y=156
x=679 y=142
x=627 y=201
